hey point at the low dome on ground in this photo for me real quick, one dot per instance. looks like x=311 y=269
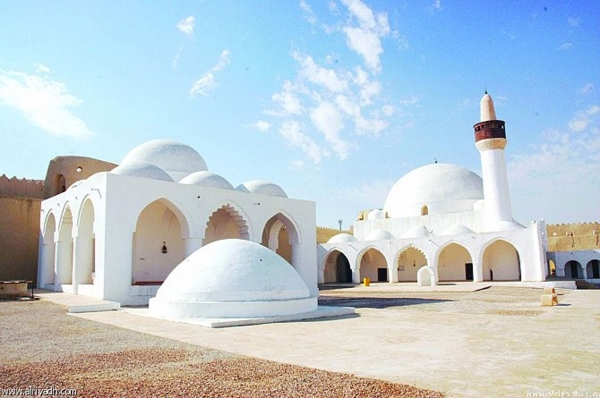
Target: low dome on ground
x=232 y=278
x=176 y=159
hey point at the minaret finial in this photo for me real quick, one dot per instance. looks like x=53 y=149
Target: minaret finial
x=485 y=89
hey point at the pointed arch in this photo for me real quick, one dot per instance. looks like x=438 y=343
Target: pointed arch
x=47 y=272
x=84 y=246
x=408 y=261
x=424 y=210
x=158 y=242
x=225 y=223
x=593 y=269
x=64 y=248
x=500 y=261
x=573 y=269
x=454 y=262
x=280 y=234
x=337 y=268
x=372 y=264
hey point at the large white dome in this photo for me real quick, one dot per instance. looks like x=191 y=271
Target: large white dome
x=176 y=159
x=434 y=189
x=232 y=278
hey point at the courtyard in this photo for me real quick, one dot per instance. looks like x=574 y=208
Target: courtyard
x=459 y=340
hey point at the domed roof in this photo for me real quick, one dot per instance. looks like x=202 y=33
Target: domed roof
x=262 y=187
x=206 y=179
x=341 y=238
x=175 y=158
x=379 y=234
x=416 y=232
x=376 y=214
x=442 y=188
x=232 y=278
x=457 y=229
x=143 y=170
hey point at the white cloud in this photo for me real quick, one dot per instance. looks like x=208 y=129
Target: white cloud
x=186 y=26
x=574 y=22
x=387 y=110
x=583 y=118
x=43 y=102
x=308 y=12
x=262 y=126
x=565 y=46
x=207 y=82
x=436 y=6
x=365 y=39
x=328 y=121
x=288 y=100
x=327 y=78
x=587 y=88
x=291 y=132
x=41 y=68
x=563 y=170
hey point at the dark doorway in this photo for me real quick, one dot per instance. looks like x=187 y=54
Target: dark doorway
x=491 y=275
x=595 y=269
x=343 y=274
x=469 y=271
x=574 y=269
x=382 y=275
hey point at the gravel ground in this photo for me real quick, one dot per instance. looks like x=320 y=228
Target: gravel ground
x=42 y=347
x=493 y=300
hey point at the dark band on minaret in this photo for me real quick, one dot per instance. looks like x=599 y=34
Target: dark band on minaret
x=489 y=129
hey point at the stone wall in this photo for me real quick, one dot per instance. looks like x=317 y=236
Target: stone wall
x=569 y=237
x=19 y=237
x=21 y=187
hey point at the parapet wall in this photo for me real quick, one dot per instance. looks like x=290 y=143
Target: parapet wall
x=565 y=237
x=23 y=188
x=324 y=234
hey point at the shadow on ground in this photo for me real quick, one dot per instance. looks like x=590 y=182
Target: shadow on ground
x=375 y=302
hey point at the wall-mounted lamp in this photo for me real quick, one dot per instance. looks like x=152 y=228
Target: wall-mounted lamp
x=164 y=248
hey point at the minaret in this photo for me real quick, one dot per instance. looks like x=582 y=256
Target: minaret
x=490 y=140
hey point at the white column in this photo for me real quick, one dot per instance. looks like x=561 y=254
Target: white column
x=477 y=272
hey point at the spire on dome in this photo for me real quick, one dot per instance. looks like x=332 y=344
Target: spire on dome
x=486 y=108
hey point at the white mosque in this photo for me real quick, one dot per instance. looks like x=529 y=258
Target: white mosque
x=443 y=223
x=158 y=219
x=117 y=235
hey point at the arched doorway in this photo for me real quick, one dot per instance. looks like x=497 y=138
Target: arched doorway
x=593 y=269
x=84 y=254
x=337 y=268
x=47 y=256
x=280 y=235
x=455 y=263
x=64 y=249
x=551 y=268
x=159 y=244
x=573 y=270
x=408 y=262
x=373 y=266
x=501 y=262
x=225 y=223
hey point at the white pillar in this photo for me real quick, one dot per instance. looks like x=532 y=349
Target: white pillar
x=393 y=273
x=477 y=272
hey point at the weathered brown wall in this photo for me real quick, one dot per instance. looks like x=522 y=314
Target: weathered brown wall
x=21 y=188
x=19 y=237
x=324 y=234
x=67 y=166
x=565 y=237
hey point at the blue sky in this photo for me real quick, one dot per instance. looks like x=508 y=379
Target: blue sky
x=332 y=100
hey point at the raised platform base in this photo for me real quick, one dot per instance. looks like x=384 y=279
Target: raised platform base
x=321 y=312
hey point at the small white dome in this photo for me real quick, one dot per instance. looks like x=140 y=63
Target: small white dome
x=342 y=238
x=457 y=229
x=262 y=187
x=376 y=214
x=175 y=158
x=379 y=234
x=206 y=179
x=442 y=188
x=416 y=232
x=232 y=278
x=143 y=170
